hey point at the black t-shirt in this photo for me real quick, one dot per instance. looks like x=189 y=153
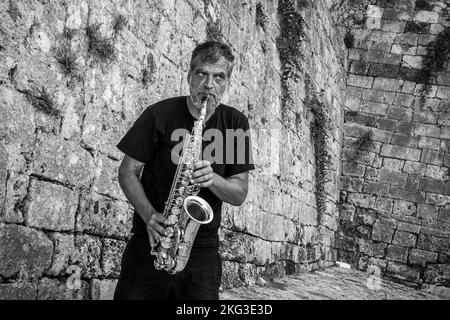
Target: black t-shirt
x=150 y=140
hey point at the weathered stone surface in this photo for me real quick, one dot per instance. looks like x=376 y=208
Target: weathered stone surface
x=16 y=190
x=383 y=229
x=104 y=216
x=111 y=257
x=400 y=152
x=50 y=206
x=24 y=250
x=18 y=291
x=89 y=254
x=63 y=161
x=439 y=273
x=106 y=177
x=103 y=289
x=54 y=289
x=402 y=271
x=396 y=253
x=417 y=256
x=64 y=253
x=404 y=239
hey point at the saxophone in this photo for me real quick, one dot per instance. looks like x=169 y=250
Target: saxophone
x=184 y=210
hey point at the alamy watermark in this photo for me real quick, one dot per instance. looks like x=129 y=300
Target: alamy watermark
x=232 y=148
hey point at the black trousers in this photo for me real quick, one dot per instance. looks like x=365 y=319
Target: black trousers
x=139 y=280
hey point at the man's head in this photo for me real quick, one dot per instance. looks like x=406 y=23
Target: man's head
x=210 y=72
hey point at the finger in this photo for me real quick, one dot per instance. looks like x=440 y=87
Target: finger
x=203 y=178
x=201 y=172
x=206 y=184
x=201 y=164
x=157 y=217
x=152 y=240
x=157 y=229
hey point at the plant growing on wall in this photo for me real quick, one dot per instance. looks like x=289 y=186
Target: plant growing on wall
x=261 y=17
x=364 y=142
x=289 y=47
x=99 y=46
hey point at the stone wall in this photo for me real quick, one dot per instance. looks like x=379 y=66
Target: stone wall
x=75 y=75
x=395 y=199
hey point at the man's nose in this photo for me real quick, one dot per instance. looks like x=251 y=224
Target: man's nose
x=208 y=83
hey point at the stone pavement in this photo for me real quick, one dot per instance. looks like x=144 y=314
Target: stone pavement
x=333 y=283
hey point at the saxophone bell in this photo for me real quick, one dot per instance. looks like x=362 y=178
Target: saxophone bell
x=198 y=209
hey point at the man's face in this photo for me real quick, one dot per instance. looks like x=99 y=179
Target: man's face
x=208 y=80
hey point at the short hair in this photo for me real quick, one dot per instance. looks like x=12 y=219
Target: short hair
x=212 y=51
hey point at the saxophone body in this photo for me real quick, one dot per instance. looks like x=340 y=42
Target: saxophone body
x=184 y=210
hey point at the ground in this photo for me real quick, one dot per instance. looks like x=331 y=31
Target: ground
x=333 y=283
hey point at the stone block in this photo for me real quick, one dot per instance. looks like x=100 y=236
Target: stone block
x=405 y=208
x=413 y=181
x=392 y=25
x=383 y=229
x=352 y=169
x=402 y=271
x=54 y=289
x=409 y=74
x=111 y=257
x=443 y=79
x=384 y=205
x=425 y=117
x=445 y=132
x=88 y=254
x=18 y=291
x=436 y=172
x=392 y=58
x=374 y=108
x=427 y=130
x=393 y=164
x=387 y=124
x=403 y=49
x=104 y=216
x=374 y=11
x=374 y=56
x=106 y=177
x=406 y=194
x=103 y=289
x=405 y=127
x=399 y=113
x=426 y=16
x=382 y=70
x=404 y=141
x=404 y=100
x=400 y=152
x=373 y=23
x=63 y=161
x=411 y=61
x=376 y=188
x=444 y=119
x=392 y=177
x=429 y=242
x=429 y=143
x=404 y=239
x=50 y=206
x=431 y=185
x=439 y=273
x=409 y=227
x=351 y=184
x=359 y=67
x=397 y=253
x=24 y=251
x=372 y=248
x=417 y=27
x=443 y=92
x=396 y=14
x=359 y=81
x=387 y=84
x=409 y=39
x=444 y=215
x=414 y=167
x=422 y=257
x=378 y=96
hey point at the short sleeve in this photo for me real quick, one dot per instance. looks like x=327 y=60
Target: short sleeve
x=242 y=153
x=141 y=140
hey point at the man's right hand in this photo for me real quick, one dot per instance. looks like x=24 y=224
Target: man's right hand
x=155 y=228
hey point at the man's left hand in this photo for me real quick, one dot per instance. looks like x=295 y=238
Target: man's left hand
x=203 y=174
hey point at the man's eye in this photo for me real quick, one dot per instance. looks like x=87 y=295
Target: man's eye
x=220 y=78
x=201 y=74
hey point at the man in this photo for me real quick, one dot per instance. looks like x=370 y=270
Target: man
x=148 y=145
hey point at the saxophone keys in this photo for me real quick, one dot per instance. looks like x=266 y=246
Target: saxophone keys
x=175 y=211
x=171 y=219
x=169 y=232
x=166 y=242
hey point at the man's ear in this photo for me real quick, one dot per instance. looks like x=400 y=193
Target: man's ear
x=189 y=76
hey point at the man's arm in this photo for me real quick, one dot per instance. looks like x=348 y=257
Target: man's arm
x=232 y=190
x=129 y=172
